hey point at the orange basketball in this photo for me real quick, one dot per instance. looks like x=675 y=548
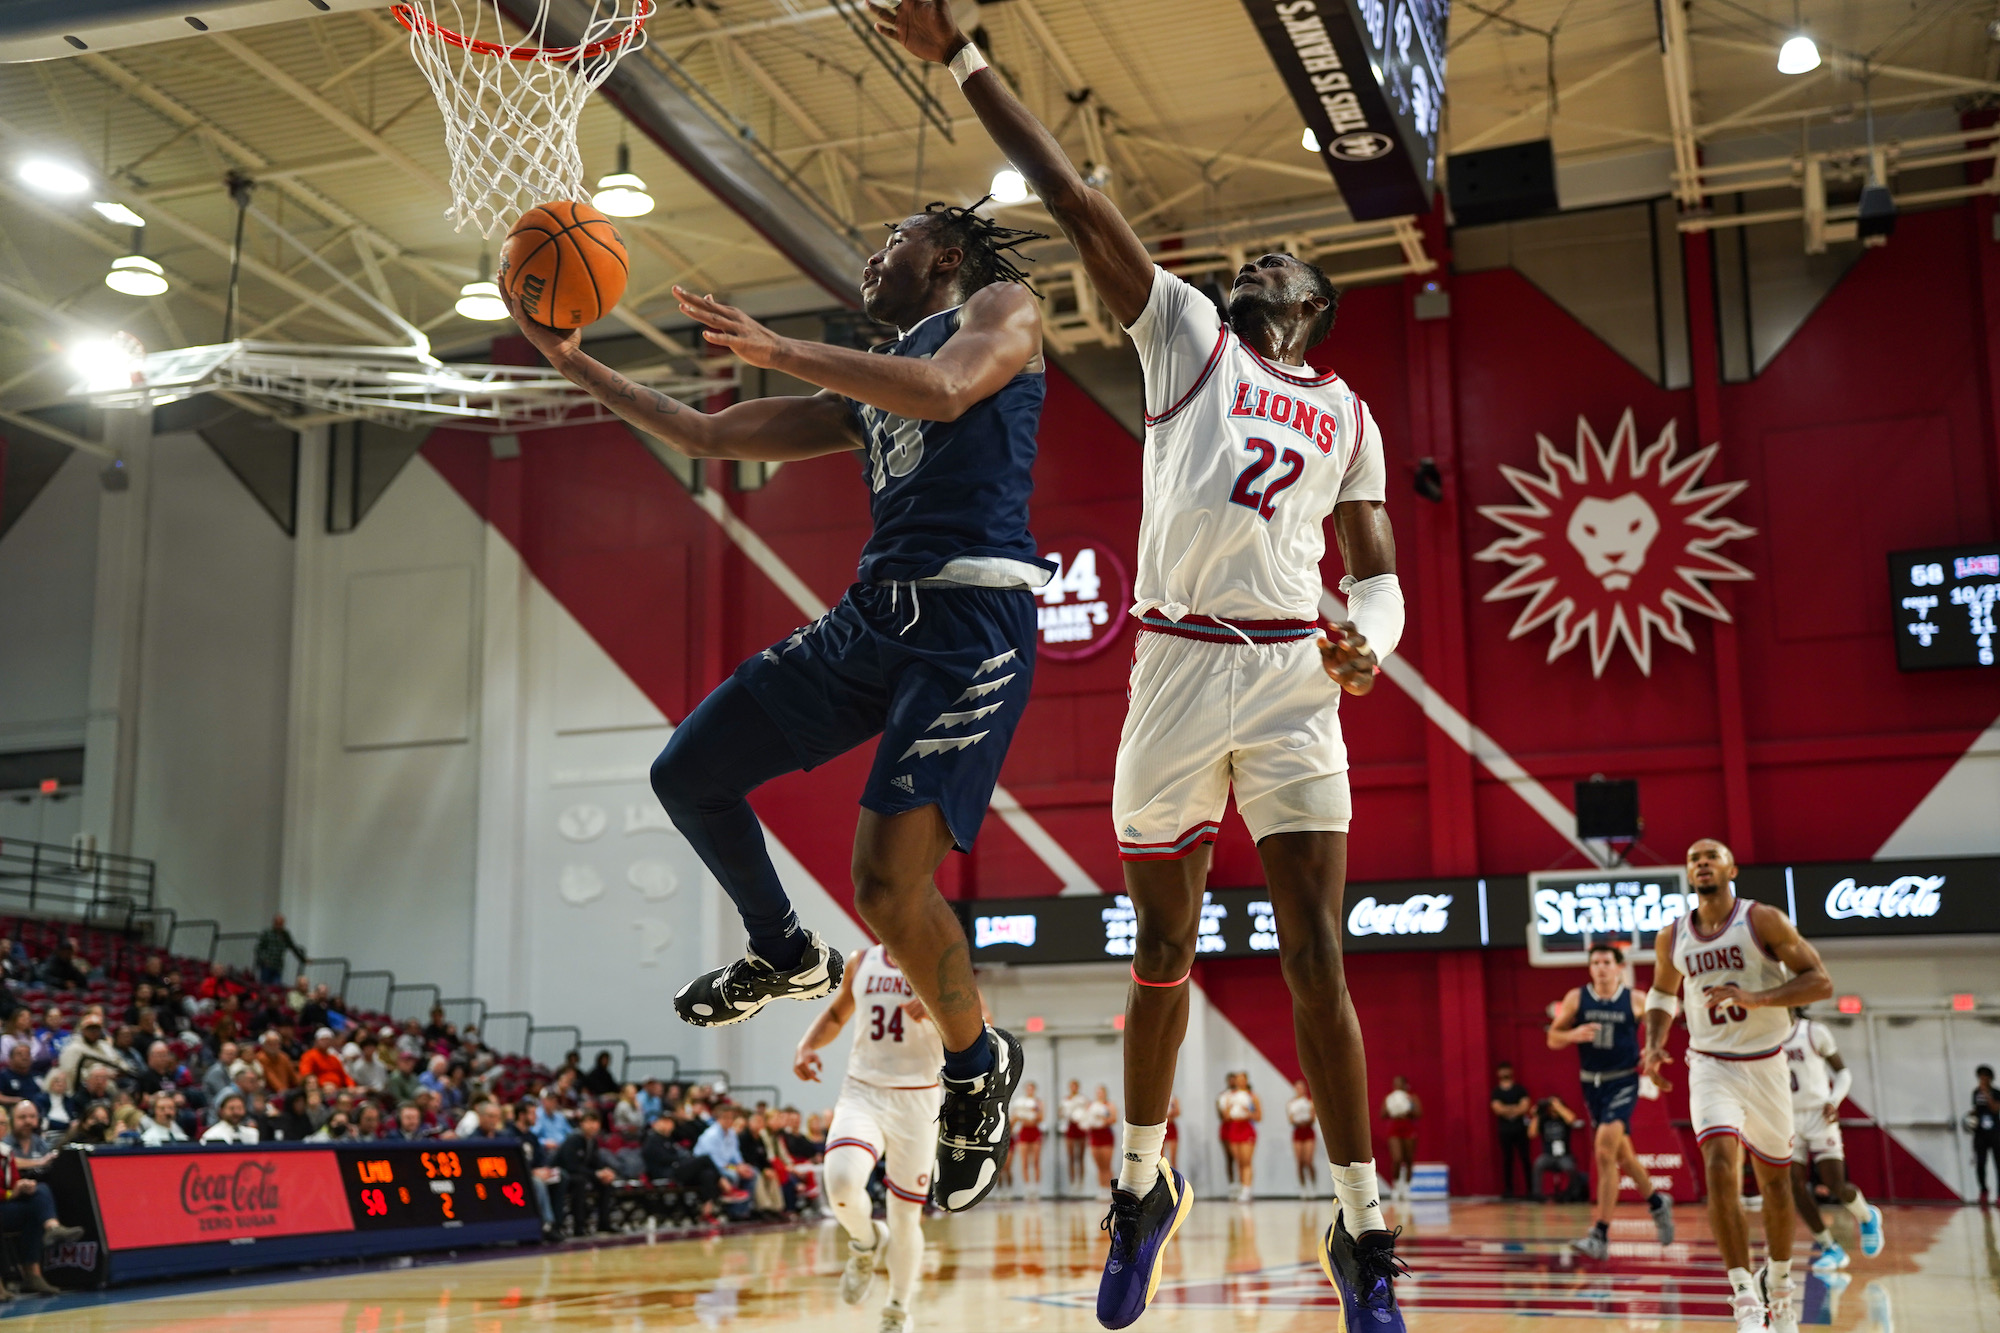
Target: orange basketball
x=564 y=264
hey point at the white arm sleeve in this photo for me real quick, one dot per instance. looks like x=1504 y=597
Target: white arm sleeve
x=1664 y=1001
x=1375 y=605
x=1178 y=335
x=1843 y=1082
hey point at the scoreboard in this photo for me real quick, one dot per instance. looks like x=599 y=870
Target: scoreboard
x=407 y=1185
x=1943 y=601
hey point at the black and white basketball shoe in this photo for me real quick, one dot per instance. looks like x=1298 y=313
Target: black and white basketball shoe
x=734 y=992
x=973 y=1127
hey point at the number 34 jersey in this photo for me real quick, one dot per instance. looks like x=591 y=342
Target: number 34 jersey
x=1731 y=954
x=1245 y=458
x=891 y=1049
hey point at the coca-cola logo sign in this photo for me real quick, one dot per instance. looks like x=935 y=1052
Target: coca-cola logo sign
x=1906 y=895
x=246 y=1188
x=1083 y=606
x=1419 y=914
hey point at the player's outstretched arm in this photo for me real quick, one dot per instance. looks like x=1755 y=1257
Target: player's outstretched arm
x=771 y=429
x=827 y=1026
x=1113 y=256
x=999 y=332
x=1660 y=1008
x=1367 y=548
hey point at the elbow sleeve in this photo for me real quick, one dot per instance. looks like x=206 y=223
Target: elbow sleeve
x=1375 y=605
x=1662 y=1001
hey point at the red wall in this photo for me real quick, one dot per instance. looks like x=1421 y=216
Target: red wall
x=1793 y=733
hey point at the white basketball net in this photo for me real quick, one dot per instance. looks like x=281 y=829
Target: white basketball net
x=511 y=105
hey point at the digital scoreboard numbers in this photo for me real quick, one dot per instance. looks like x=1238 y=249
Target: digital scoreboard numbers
x=428 y=1186
x=1943 y=603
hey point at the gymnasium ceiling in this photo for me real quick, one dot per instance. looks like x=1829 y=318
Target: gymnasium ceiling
x=330 y=116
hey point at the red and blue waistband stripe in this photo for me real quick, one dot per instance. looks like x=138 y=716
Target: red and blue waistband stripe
x=1213 y=630
x=1181 y=846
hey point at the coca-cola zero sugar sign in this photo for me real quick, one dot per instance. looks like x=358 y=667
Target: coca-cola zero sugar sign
x=182 y=1198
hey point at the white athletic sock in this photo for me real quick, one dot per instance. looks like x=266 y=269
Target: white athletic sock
x=1823 y=1237
x=1857 y=1206
x=1781 y=1273
x=1359 y=1196
x=906 y=1248
x=1742 y=1283
x=1141 y=1167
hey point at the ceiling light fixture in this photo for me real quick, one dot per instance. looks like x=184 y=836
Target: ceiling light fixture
x=1009 y=187
x=136 y=275
x=52 y=177
x=1309 y=141
x=108 y=363
x=481 y=300
x=1799 y=55
x=118 y=214
x=622 y=194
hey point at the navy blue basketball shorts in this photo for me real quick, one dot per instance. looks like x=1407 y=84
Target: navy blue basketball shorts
x=941 y=674
x=1613 y=1100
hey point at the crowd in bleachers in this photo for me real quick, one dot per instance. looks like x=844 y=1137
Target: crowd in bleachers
x=104 y=1041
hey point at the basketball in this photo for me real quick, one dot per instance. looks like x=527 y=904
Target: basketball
x=564 y=264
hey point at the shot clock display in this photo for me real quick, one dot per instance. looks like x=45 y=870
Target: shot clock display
x=1943 y=602
x=413 y=1186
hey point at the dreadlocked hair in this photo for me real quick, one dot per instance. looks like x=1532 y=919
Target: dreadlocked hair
x=992 y=251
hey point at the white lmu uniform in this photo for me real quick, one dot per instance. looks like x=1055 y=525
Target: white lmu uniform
x=1244 y=460
x=1806 y=1051
x=888 y=1102
x=1737 y=1078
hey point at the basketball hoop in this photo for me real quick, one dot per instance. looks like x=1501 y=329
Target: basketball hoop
x=511 y=107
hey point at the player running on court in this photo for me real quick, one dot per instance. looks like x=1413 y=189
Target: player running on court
x=1602 y=1020
x=1742 y=966
x=1248 y=450
x=886 y=1112
x=932 y=649
x=1820 y=1082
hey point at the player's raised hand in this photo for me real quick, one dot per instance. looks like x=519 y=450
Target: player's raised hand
x=924 y=27
x=805 y=1064
x=726 y=326
x=1348 y=660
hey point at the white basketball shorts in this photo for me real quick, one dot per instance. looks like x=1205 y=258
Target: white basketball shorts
x=1814 y=1136
x=897 y=1125
x=1205 y=716
x=1751 y=1099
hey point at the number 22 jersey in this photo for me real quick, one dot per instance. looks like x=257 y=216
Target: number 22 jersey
x=1245 y=458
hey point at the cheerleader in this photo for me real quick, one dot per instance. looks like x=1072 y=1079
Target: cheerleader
x=1075 y=1137
x=1400 y=1111
x=1026 y=1113
x=1300 y=1112
x=1239 y=1110
x=1099 y=1116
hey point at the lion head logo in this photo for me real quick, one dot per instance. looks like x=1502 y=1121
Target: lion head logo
x=1638 y=543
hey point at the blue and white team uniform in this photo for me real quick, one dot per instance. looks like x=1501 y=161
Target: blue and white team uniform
x=933 y=647
x=1611 y=1062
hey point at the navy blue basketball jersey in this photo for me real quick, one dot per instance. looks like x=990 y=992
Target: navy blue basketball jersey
x=950 y=498
x=1617 y=1044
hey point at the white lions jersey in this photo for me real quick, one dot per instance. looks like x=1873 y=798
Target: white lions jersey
x=1245 y=459
x=1732 y=954
x=891 y=1049
x=1806 y=1051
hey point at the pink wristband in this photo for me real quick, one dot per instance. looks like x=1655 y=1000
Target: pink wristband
x=1164 y=985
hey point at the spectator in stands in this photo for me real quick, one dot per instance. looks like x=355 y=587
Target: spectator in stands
x=17 y=1080
x=437 y=1032
x=318 y=1010
x=433 y=1112
x=455 y=1091
x=587 y=1182
x=131 y=1055
x=754 y=1143
x=162 y=1073
x=567 y=1086
x=409 y=1124
x=600 y=1081
x=20 y=1031
x=481 y=1120
x=322 y=1064
x=551 y=1125
x=62 y=1104
x=434 y=1073
x=232 y=1123
x=368 y=1121
x=214 y=987
x=720 y=1144
x=51 y=1035
x=88 y=1046
x=411 y=1039
x=272 y=947
x=128 y=1127
x=281 y=1074
x=1555 y=1124
x=142 y=998
x=403 y=1084
x=626 y=1116
x=93 y=1127
x=541 y=1173
x=163 y=1126
x=148 y=1025
x=338 y=1128
x=375 y=1061
x=226 y=1021
x=289 y=1122
x=216 y=1078
x=668 y=1162
x=652 y=1101
x=27 y=1147
x=63 y=970
x=28 y=1213
x=97 y=1087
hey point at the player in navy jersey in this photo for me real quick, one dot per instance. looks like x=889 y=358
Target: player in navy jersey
x=932 y=649
x=1602 y=1022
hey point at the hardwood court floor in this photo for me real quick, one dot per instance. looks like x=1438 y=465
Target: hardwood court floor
x=1476 y=1267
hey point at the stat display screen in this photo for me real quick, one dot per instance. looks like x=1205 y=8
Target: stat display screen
x=1943 y=601
x=413 y=1185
